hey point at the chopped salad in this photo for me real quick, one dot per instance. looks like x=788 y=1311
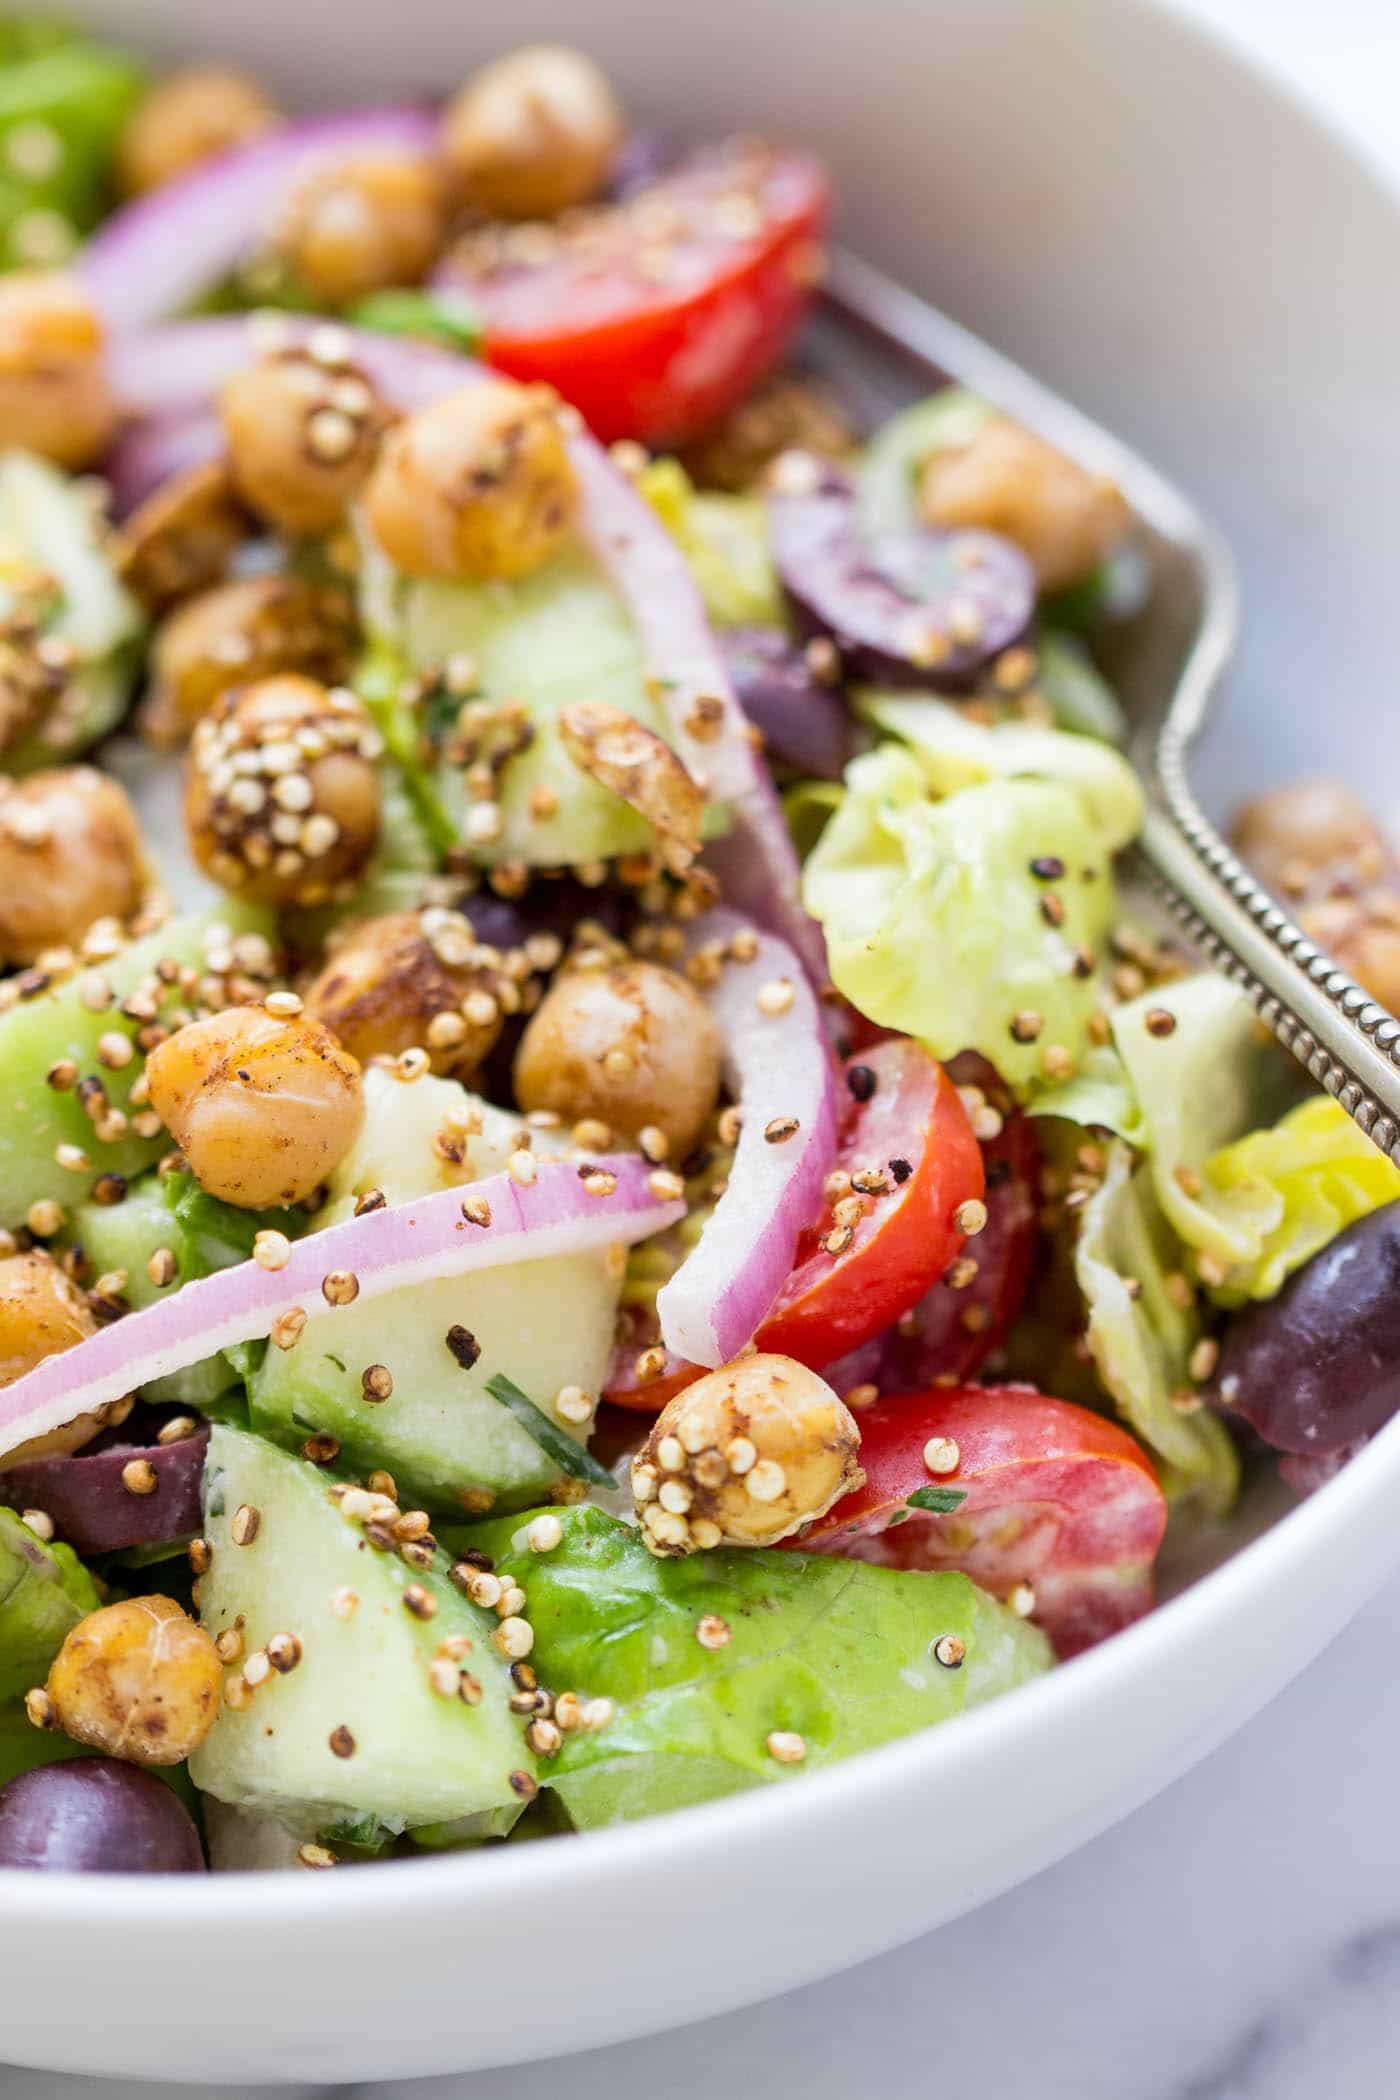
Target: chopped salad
x=607 y=1196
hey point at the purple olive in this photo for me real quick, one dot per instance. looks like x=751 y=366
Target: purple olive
x=642 y=159
x=95 y=1815
x=918 y=607
x=803 y=722
x=96 y=1509
x=1318 y=1367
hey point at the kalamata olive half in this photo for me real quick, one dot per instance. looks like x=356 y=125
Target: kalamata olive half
x=95 y=1815
x=803 y=723
x=102 y=1501
x=1318 y=1367
x=919 y=607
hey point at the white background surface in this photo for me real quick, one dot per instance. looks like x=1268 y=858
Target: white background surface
x=1239 y=1939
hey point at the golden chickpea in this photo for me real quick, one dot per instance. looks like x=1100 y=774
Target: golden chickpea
x=302 y=436
x=41 y=1312
x=1008 y=480
x=70 y=853
x=281 y=792
x=140 y=1680
x=365 y=224
x=263 y=1108
x=188 y=117
x=237 y=633
x=479 y=485
x=54 y=396
x=533 y=133
x=632 y=1045
x=409 y=980
x=743 y=1457
x=1316 y=829
x=183 y=537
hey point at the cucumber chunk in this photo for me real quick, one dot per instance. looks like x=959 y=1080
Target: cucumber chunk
x=40 y=1032
x=415 y=1756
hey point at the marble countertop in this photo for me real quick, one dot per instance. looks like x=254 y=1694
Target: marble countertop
x=1237 y=1939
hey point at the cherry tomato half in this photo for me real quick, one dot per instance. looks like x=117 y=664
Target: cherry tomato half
x=906 y=1123
x=636 y=1340
x=656 y=315
x=1057 y=1498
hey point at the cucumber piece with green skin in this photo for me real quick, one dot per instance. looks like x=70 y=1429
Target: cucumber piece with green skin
x=412 y=1755
x=125 y=1235
x=841 y=1654
x=546 y=1324
x=553 y=638
x=56 y=1025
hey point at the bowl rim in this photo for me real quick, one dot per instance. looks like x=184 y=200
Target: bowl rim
x=805 y=1805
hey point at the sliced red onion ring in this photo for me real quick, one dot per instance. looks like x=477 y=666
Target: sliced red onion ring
x=383 y=1251
x=779 y=1070
x=157 y=255
x=167 y=380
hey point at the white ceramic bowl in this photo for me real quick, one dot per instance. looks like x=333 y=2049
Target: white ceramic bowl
x=1132 y=214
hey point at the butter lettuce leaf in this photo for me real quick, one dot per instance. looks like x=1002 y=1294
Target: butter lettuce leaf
x=1202 y=1083
x=1099 y=1097
x=44 y=1591
x=834 y=1650
x=886 y=484
x=725 y=541
x=956 y=752
x=936 y=923
x=1314 y=1173
x=1079 y=696
x=1141 y=1335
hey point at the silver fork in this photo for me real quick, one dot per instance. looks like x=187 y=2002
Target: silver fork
x=1168 y=663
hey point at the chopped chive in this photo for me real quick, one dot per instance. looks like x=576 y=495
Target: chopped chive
x=567 y=1455
x=939 y=1500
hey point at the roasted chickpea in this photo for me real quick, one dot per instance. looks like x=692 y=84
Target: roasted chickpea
x=1315 y=831
x=183 y=537
x=743 y=1457
x=281 y=793
x=54 y=396
x=237 y=633
x=302 y=436
x=1008 y=480
x=263 y=1107
x=533 y=133
x=41 y=1312
x=140 y=1680
x=365 y=224
x=186 y=118
x=411 y=980
x=632 y=1045
x=478 y=485
x=70 y=853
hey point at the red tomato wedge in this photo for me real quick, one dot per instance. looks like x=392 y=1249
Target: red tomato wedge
x=637 y=1344
x=1056 y=1498
x=656 y=315
x=912 y=1132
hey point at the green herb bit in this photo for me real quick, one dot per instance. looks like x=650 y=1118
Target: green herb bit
x=567 y=1455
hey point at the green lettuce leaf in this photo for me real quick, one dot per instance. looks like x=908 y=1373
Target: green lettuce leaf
x=1201 y=1084
x=1099 y=1097
x=1314 y=1172
x=1079 y=696
x=1141 y=1336
x=888 y=476
x=725 y=541
x=935 y=922
x=44 y=1591
x=833 y=1650
x=956 y=752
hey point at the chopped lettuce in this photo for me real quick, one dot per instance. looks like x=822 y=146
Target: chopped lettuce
x=1313 y=1173
x=725 y=541
x=1201 y=1083
x=956 y=752
x=1099 y=1097
x=833 y=1650
x=1079 y=696
x=44 y=1591
x=1141 y=1335
x=936 y=922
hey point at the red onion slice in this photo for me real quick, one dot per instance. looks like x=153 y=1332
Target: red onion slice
x=779 y=1069
x=155 y=256
x=383 y=1251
